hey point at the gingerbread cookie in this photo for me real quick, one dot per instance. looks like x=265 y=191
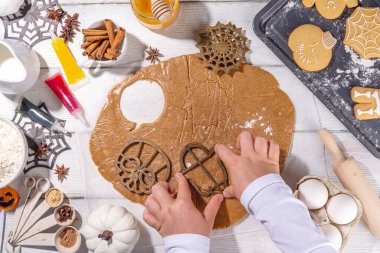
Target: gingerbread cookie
x=311 y=47
x=368 y=103
x=330 y=9
x=363 y=32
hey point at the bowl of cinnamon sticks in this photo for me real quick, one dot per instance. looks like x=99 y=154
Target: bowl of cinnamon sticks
x=104 y=43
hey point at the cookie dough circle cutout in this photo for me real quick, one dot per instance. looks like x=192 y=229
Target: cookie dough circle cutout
x=200 y=107
x=311 y=47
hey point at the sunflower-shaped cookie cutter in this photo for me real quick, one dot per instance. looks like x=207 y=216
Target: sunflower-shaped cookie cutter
x=141 y=164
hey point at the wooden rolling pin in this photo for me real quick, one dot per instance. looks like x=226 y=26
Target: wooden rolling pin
x=353 y=179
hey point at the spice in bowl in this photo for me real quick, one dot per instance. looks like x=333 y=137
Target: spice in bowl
x=54 y=197
x=68 y=240
x=103 y=43
x=65 y=213
x=13 y=148
x=68 y=237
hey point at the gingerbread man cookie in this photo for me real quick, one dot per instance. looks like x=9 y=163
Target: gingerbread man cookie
x=368 y=103
x=330 y=9
x=311 y=47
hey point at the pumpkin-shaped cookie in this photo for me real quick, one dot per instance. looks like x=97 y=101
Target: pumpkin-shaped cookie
x=311 y=47
x=330 y=9
x=9 y=198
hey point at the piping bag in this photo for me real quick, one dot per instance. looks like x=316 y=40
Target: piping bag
x=58 y=85
x=35 y=113
x=353 y=179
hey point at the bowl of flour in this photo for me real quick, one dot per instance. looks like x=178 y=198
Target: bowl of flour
x=13 y=152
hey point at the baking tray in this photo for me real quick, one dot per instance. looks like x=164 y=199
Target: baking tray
x=273 y=25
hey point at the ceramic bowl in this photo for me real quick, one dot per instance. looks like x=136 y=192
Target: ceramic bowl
x=123 y=47
x=25 y=153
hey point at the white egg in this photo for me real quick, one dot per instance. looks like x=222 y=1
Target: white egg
x=333 y=235
x=313 y=193
x=342 y=209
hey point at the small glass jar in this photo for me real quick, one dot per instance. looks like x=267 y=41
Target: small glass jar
x=143 y=11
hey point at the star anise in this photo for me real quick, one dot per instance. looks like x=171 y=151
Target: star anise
x=55 y=15
x=61 y=172
x=68 y=29
x=153 y=55
x=42 y=150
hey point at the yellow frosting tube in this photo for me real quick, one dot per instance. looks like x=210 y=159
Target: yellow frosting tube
x=74 y=73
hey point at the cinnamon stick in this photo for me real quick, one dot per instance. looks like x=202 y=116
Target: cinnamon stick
x=110 y=57
x=117 y=42
x=91 y=48
x=92 y=56
x=115 y=53
x=94 y=32
x=96 y=37
x=102 y=49
x=86 y=44
x=110 y=30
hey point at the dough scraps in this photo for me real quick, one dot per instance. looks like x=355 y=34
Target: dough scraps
x=368 y=103
x=311 y=47
x=330 y=9
x=200 y=107
x=363 y=32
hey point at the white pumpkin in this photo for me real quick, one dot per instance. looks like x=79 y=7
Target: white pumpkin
x=111 y=229
x=8 y=7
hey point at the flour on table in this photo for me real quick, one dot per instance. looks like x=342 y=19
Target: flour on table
x=11 y=151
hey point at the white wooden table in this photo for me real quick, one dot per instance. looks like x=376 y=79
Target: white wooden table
x=308 y=155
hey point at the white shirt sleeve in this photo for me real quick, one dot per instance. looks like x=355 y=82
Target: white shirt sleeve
x=286 y=218
x=187 y=243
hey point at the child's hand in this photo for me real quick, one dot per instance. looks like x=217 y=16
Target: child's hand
x=172 y=215
x=258 y=157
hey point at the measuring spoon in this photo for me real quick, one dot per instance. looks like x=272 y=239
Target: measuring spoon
x=42 y=186
x=29 y=183
x=48 y=222
x=40 y=211
x=49 y=239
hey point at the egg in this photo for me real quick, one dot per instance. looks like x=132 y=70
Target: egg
x=333 y=235
x=313 y=193
x=342 y=209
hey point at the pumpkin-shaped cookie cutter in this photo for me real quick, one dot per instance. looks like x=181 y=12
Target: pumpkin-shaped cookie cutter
x=137 y=172
x=217 y=186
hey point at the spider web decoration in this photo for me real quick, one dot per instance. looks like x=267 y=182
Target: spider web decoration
x=363 y=32
x=30 y=24
x=35 y=135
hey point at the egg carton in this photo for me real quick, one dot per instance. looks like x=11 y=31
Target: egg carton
x=320 y=216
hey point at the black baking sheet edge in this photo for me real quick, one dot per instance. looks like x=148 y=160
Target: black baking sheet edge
x=258 y=27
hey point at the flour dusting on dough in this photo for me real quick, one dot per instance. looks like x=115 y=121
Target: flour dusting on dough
x=268 y=131
x=249 y=124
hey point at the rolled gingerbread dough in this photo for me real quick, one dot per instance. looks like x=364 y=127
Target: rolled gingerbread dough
x=200 y=107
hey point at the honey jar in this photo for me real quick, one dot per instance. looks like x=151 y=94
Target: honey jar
x=143 y=11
